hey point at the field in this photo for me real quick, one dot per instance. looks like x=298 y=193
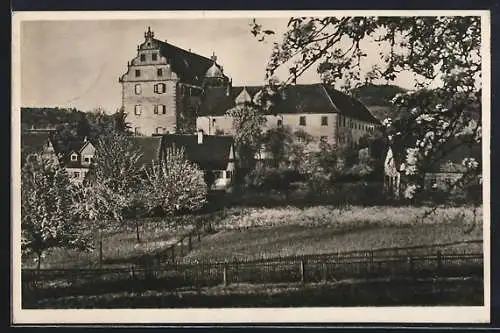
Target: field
x=272 y=232
x=245 y=233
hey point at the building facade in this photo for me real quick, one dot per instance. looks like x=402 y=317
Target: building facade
x=324 y=113
x=169 y=90
x=162 y=87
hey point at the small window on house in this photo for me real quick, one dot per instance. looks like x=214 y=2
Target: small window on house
x=74 y=157
x=155 y=110
x=159 y=72
x=137 y=130
x=280 y=122
x=324 y=121
x=137 y=72
x=302 y=121
x=154 y=56
x=138 y=110
x=76 y=174
x=138 y=89
x=86 y=159
x=143 y=57
x=163 y=109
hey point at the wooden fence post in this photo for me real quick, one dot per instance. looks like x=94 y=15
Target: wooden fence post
x=372 y=262
x=410 y=264
x=302 y=272
x=225 y=280
x=324 y=271
x=190 y=244
x=439 y=262
x=100 y=251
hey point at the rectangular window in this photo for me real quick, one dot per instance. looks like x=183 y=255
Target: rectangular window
x=163 y=109
x=159 y=72
x=138 y=89
x=137 y=130
x=324 y=121
x=154 y=56
x=137 y=72
x=280 y=122
x=74 y=157
x=302 y=121
x=160 y=88
x=76 y=174
x=138 y=110
x=143 y=57
x=86 y=159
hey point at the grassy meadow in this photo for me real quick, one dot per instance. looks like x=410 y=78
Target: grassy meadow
x=271 y=232
x=246 y=233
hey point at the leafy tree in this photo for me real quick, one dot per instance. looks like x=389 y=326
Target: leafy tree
x=442 y=53
x=48 y=211
x=248 y=121
x=175 y=184
x=113 y=188
x=277 y=141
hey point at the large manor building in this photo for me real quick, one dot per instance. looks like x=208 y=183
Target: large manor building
x=167 y=89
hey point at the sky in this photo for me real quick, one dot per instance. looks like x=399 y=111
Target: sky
x=77 y=63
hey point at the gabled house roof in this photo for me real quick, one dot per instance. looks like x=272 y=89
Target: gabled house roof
x=76 y=147
x=212 y=154
x=300 y=98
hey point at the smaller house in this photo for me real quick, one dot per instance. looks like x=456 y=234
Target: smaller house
x=441 y=175
x=77 y=162
x=33 y=142
x=214 y=154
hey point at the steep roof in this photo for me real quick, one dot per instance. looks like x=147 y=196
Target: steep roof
x=189 y=66
x=300 y=98
x=150 y=147
x=212 y=154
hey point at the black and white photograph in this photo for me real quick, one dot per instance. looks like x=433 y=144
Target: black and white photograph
x=259 y=166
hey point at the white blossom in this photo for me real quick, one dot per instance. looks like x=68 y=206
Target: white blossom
x=410 y=191
x=470 y=163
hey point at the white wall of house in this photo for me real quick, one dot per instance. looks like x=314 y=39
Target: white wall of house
x=77 y=175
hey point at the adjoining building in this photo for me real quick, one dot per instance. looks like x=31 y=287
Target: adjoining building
x=321 y=111
x=169 y=90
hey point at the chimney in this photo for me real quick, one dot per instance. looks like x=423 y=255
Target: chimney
x=200 y=136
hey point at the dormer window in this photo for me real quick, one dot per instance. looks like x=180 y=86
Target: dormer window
x=74 y=157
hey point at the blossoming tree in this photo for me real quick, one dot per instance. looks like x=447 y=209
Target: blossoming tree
x=442 y=54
